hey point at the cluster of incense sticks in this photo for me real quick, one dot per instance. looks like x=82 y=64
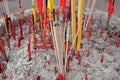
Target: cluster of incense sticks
x=59 y=31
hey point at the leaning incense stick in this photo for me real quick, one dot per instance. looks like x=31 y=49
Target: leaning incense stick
x=74 y=40
x=53 y=39
x=91 y=10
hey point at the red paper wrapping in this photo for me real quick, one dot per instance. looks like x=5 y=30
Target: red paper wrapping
x=38 y=78
x=35 y=41
x=19 y=42
x=20 y=26
x=62 y=5
x=118 y=43
x=61 y=77
x=29 y=52
x=110 y=8
x=39 y=2
x=2 y=70
x=14 y=31
x=102 y=59
x=86 y=77
x=69 y=11
x=8 y=43
x=55 y=69
x=28 y=73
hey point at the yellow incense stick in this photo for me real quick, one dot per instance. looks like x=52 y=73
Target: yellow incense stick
x=34 y=11
x=73 y=22
x=51 y=6
x=80 y=14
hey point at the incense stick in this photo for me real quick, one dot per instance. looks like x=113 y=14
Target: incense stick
x=6 y=7
x=57 y=47
x=66 y=53
x=88 y=2
x=93 y=4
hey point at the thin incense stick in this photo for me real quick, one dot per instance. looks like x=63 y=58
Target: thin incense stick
x=6 y=7
x=66 y=53
x=93 y=4
x=88 y=2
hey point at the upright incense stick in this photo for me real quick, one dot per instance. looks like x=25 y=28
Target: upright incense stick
x=34 y=11
x=45 y=22
x=110 y=10
x=6 y=7
x=69 y=11
x=39 y=3
x=62 y=6
x=66 y=53
x=20 y=19
x=73 y=22
x=88 y=2
x=80 y=14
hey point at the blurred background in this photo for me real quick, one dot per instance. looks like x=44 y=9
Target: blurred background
x=26 y=4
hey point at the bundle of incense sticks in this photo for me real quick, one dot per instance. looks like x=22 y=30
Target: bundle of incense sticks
x=59 y=47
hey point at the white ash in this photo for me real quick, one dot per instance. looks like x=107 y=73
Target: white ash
x=19 y=65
